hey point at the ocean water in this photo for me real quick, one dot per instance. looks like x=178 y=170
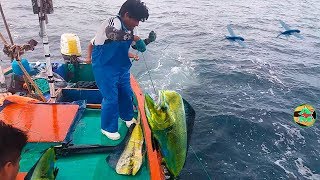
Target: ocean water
x=244 y=97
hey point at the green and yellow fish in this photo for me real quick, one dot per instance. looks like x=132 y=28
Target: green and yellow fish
x=44 y=168
x=167 y=121
x=131 y=159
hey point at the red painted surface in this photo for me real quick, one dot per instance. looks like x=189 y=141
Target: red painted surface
x=21 y=176
x=42 y=122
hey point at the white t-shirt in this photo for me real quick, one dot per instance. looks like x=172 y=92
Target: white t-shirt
x=100 y=36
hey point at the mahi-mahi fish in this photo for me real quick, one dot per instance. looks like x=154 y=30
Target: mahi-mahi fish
x=167 y=121
x=131 y=159
x=44 y=169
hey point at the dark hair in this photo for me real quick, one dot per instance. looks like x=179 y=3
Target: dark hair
x=12 y=140
x=136 y=9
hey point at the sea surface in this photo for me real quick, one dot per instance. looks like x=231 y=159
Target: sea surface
x=244 y=97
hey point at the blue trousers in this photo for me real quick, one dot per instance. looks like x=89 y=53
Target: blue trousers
x=111 y=69
x=117 y=100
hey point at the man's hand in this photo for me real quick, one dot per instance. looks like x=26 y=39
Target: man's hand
x=136 y=57
x=136 y=38
x=88 y=60
x=152 y=36
x=141 y=46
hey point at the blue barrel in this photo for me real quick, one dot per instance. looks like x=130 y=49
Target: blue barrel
x=60 y=69
x=16 y=69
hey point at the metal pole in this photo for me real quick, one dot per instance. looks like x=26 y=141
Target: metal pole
x=45 y=41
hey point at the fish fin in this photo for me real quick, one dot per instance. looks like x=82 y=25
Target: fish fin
x=190 y=118
x=297 y=35
x=113 y=158
x=55 y=172
x=149 y=106
x=231 y=32
x=155 y=143
x=30 y=172
x=284 y=25
x=144 y=154
x=241 y=43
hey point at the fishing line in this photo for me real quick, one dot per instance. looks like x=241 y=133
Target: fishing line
x=154 y=89
x=166 y=47
x=148 y=70
x=200 y=163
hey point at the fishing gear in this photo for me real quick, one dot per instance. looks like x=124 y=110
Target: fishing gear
x=69 y=149
x=148 y=70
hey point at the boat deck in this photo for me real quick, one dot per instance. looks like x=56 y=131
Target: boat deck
x=87 y=166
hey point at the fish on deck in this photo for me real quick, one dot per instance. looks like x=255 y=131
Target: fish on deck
x=44 y=168
x=131 y=159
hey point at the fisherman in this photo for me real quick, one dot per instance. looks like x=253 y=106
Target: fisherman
x=111 y=64
x=12 y=140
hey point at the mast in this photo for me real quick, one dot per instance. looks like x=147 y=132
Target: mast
x=42 y=8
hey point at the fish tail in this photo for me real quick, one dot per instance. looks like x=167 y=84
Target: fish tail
x=55 y=172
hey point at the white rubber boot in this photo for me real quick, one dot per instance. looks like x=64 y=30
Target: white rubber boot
x=129 y=123
x=113 y=136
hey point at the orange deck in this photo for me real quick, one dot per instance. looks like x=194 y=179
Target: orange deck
x=42 y=122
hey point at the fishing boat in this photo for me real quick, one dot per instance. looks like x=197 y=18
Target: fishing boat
x=65 y=122
x=69 y=120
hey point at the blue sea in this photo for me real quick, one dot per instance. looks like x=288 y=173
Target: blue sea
x=244 y=97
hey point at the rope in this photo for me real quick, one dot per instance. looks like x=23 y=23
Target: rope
x=6 y=25
x=28 y=77
x=3 y=39
x=204 y=169
x=144 y=60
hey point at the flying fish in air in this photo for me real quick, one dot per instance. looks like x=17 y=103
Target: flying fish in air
x=288 y=31
x=234 y=38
